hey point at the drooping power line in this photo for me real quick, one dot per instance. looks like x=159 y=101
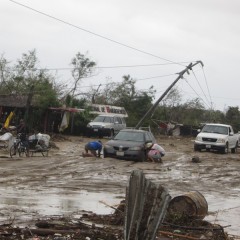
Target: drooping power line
x=93 y=33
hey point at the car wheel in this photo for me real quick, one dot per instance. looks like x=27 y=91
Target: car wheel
x=105 y=154
x=12 y=150
x=21 y=151
x=111 y=135
x=225 y=150
x=234 y=150
x=143 y=158
x=196 y=148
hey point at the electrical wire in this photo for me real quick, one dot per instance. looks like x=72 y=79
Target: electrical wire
x=93 y=33
x=196 y=92
x=200 y=86
x=102 y=84
x=207 y=85
x=104 y=67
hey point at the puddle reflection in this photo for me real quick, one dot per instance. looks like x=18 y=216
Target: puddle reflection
x=53 y=204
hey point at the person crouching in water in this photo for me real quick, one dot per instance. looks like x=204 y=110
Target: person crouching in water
x=94 y=149
x=155 y=152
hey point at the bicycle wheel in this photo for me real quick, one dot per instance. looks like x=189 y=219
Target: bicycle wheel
x=22 y=151
x=12 y=151
x=45 y=153
x=44 y=150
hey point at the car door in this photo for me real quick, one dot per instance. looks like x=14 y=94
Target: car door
x=117 y=123
x=120 y=123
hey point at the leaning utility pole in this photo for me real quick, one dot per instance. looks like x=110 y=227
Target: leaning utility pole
x=180 y=75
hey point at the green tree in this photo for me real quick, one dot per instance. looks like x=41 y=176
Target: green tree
x=173 y=98
x=27 y=78
x=5 y=75
x=233 y=117
x=169 y=108
x=217 y=116
x=191 y=110
x=82 y=67
x=26 y=75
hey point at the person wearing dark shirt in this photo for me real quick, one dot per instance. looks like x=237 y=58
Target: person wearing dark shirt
x=21 y=128
x=22 y=131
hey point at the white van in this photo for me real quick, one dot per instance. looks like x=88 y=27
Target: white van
x=105 y=125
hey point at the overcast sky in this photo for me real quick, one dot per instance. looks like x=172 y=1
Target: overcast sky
x=131 y=33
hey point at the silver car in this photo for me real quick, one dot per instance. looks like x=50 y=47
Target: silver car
x=105 y=125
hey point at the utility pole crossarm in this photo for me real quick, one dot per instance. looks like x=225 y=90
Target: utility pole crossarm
x=180 y=75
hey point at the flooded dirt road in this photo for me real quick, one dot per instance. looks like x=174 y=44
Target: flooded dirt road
x=64 y=183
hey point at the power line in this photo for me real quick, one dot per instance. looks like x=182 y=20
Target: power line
x=103 y=67
x=104 y=84
x=93 y=33
x=136 y=80
x=207 y=85
x=200 y=86
x=196 y=92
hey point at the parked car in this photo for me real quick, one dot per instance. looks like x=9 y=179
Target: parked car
x=218 y=137
x=129 y=144
x=106 y=125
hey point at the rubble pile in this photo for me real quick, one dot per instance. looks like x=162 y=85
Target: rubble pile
x=91 y=226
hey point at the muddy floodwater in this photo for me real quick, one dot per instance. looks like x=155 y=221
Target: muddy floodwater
x=64 y=183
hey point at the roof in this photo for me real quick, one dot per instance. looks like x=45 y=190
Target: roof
x=63 y=109
x=14 y=100
x=218 y=124
x=110 y=115
x=108 y=110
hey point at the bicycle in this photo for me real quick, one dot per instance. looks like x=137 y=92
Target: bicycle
x=20 y=147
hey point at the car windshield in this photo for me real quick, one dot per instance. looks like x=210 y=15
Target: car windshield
x=103 y=119
x=130 y=136
x=215 y=129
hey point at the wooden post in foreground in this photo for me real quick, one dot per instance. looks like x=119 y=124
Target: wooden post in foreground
x=146 y=206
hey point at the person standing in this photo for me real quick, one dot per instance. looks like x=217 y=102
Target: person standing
x=94 y=147
x=22 y=131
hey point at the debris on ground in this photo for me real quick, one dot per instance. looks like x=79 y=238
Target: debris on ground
x=91 y=226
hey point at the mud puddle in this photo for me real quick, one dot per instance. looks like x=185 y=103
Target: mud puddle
x=224 y=211
x=53 y=204
x=29 y=205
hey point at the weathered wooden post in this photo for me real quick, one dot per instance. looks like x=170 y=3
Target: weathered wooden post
x=146 y=206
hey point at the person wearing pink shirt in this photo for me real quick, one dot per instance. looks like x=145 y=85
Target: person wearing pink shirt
x=155 y=152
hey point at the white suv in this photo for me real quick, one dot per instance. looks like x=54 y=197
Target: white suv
x=106 y=125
